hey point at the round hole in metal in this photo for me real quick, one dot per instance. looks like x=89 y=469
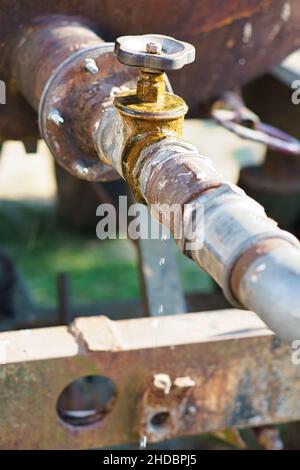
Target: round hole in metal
x=160 y=419
x=87 y=400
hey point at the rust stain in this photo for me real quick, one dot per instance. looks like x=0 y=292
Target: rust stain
x=233 y=11
x=239 y=381
x=207 y=24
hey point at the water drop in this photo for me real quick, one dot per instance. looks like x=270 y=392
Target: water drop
x=143 y=441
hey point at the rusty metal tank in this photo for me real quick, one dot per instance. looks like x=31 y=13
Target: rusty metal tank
x=235 y=41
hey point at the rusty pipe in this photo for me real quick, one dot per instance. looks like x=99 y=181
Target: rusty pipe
x=256 y=264
x=69 y=75
x=80 y=124
x=43 y=46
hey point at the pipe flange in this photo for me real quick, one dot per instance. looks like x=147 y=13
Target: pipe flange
x=74 y=98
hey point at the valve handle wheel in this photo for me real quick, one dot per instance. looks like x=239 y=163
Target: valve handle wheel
x=154 y=51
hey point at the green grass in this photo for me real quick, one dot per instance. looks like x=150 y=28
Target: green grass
x=99 y=270
x=192 y=277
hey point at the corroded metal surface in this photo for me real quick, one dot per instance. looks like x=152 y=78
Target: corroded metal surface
x=80 y=98
x=66 y=71
x=148 y=114
x=43 y=46
x=235 y=41
x=231 y=112
x=225 y=369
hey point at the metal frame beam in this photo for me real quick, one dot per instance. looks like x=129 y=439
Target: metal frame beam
x=233 y=373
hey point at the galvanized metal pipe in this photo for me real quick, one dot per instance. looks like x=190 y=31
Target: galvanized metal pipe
x=270 y=287
x=267 y=280
x=269 y=283
x=256 y=263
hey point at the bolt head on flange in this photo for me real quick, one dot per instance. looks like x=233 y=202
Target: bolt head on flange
x=154 y=51
x=73 y=104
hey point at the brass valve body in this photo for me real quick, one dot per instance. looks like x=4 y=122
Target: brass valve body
x=149 y=115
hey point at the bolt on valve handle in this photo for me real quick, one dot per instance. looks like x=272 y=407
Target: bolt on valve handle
x=154 y=51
